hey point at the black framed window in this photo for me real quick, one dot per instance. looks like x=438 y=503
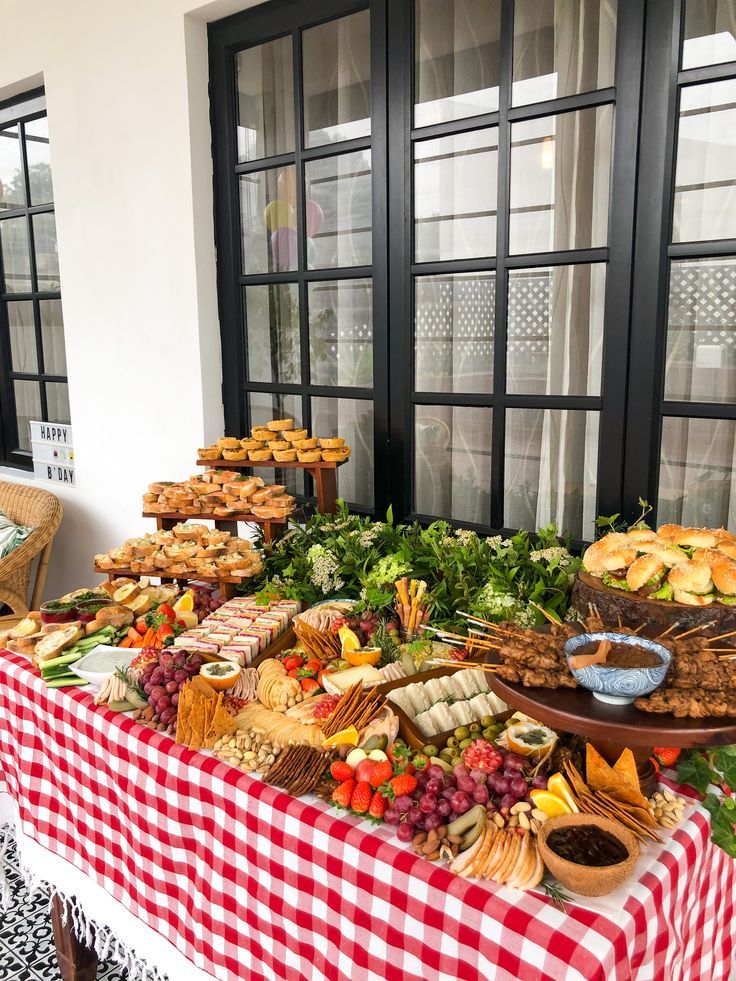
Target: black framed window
x=468 y=328
x=684 y=318
x=33 y=383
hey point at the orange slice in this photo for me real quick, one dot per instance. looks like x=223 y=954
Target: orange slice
x=559 y=786
x=347 y=736
x=185 y=603
x=348 y=639
x=363 y=655
x=552 y=805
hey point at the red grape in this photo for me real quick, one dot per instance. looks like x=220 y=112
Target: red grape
x=460 y=771
x=512 y=761
x=163 y=703
x=391 y=815
x=175 y=698
x=167 y=715
x=539 y=782
x=181 y=676
x=460 y=802
x=415 y=815
x=166 y=660
x=518 y=786
x=434 y=786
x=405 y=832
x=403 y=804
x=480 y=794
x=157 y=692
x=147 y=688
x=507 y=801
x=466 y=784
x=172 y=687
x=432 y=822
x=435 y=771
x=428 y=803
x=502 y=785
x=479 y=776
x=444 y=808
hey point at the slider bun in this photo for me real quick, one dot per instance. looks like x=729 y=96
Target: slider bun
x=593 y=558
x=695 y=538
x=637 y=535
x=728 y=548
x=665 y=553
x=642 y=570
x=613 y=541
x=621 y=559
x=723 y=535
x=710 y=556
x=694 y=577
x=724 y=577
x=667 y=532
x=690 y=599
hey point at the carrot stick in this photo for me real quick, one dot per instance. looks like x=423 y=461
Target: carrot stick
x=148 y=637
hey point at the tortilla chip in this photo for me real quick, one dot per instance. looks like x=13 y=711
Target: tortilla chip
x=603 y=779
x=202 y=688
x=625 y=768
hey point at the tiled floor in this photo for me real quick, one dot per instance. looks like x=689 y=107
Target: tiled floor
x=27 y=951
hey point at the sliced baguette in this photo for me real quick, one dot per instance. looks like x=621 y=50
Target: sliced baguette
x=52 y=644
x=28 y=625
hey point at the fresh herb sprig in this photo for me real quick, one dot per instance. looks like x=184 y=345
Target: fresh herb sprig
x=713 y=773
x=130 y=683
x=555 y=893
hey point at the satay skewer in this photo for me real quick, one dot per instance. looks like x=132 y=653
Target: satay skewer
x=672 y=626
x=693 y=630
x=722 y=636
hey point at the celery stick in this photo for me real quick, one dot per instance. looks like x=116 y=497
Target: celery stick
x=66 y=681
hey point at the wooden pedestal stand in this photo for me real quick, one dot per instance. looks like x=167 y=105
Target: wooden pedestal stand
x=322 y=473
x=611 y=728
x=271 y=526
x=76 y=961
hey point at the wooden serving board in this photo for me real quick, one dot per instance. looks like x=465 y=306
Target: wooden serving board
x=655 y=616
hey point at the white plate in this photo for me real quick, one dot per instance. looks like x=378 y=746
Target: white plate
x=102 y=661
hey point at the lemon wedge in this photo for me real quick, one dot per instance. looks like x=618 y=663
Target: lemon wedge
x=185 y=603
x=347 y=736
x=348 y=639
x=552 y=805
x=559 y=786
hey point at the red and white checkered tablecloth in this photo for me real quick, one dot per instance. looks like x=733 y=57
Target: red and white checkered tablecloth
x=249 y=883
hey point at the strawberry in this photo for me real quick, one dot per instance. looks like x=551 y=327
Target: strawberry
x=398 y=751
x=294 y=673
x=167 y=611
x=315 y=666
x=377 y=807
x=340 y=771
x=291 y=662
x=666 y=756
x=420 y=761
x=309 y=686
x=342 y=795
x=361 y=799
x=381 y=773
x=164 y=631
x=403 y=784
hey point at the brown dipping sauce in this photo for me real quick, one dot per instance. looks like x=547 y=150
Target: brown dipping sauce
x=587 y=844
x=625 y=656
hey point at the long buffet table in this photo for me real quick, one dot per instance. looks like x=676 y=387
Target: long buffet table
x=202 y=871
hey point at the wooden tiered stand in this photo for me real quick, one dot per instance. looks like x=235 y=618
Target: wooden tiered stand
x=324 y=475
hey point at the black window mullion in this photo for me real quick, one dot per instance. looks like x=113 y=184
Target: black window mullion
x=498 y=425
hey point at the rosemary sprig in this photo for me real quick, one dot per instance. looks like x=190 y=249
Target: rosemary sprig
x=130 y=684
x=555 y=893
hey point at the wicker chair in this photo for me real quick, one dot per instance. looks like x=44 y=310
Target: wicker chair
x=43 y=512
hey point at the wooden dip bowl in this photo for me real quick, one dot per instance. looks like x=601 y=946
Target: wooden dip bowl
x=588 y=880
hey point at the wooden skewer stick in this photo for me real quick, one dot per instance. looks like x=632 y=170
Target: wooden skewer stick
x=486 y=623
x=722 y=650
x=694 y=630
x=640 y=627
x=722 y=636
x=475 y=641
x=670 y=628
x=491 y=668
x=547 y=616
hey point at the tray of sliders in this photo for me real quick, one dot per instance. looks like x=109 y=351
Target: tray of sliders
x=279 y=443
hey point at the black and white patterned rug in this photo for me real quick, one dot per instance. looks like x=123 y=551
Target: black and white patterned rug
x=27 y=951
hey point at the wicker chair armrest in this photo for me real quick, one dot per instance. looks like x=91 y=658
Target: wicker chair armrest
x=36 y=541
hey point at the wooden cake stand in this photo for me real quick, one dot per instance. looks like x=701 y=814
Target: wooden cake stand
x=611 y=728
x=654 y=615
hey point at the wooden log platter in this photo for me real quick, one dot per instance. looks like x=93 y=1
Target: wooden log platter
x=653 y=616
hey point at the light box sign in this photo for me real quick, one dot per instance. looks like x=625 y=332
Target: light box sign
x=53 y=452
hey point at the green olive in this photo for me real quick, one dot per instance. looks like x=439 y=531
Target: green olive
x=465 y=743
x=462 y=732
x=431 y=750
x=474 y=727
x=486 y=721
x=452 y=741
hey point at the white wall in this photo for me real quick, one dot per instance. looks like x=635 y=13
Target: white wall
x=126 y=92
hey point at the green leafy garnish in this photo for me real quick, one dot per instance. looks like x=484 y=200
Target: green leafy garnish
x=713 y=773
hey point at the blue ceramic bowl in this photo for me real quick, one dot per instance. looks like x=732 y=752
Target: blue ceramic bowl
x=618 y=686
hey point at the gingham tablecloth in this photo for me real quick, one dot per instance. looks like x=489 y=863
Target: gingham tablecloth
x=249 y=883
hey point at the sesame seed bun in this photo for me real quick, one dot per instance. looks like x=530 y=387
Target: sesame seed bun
x=666 y=532
x=708 y=555
x=691 y=599
x=642 y=570
x=670 y=556
x=695 y=538
x=728 y=548
x=637 y=535
x=593 y=558
x=620 y=559
x=724 y=577
x=691 y=576
x=723 y=535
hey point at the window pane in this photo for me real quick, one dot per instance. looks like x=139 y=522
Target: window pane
x=27 y=407
x=456 y=55
x=701 y=331
x=455 y=181
x=22 y=337
x=336 y=79
x=562 y=48
x=47 y=256
x=339 y=215
x=452 y=462
x=705 y=198
x=52 y=335
x=353 y=420
x=453 y=332
x=12 y=192
x=697 y=473
x=265 y=85
x=57 y=399
x=39 y=161
x=265 y=406
x=551 y=463
x=341 y=332
x=560 y=170
x=268 y=220
x=15 y=255
x=555 y=330
x=272 y=323
x=710 y=32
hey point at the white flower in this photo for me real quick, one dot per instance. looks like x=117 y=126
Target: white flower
x=466 y=536
x=324 y=566
x=560 y=556
x=368 y=536
x=524 y=618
